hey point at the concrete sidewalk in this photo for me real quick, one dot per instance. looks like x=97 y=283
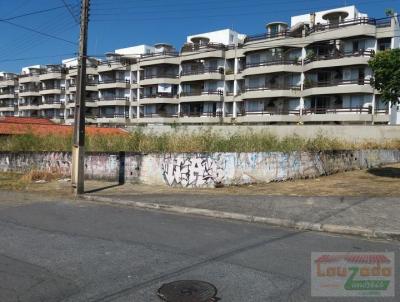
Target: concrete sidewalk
x=377 y=217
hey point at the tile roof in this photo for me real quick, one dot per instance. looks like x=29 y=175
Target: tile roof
x=39 y=126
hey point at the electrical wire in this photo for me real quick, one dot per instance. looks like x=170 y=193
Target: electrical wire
x=71 y=12
x=38 y=32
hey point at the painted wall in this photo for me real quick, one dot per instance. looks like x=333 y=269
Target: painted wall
x=202 y=169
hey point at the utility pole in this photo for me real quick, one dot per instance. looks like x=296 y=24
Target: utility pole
x=78 y=149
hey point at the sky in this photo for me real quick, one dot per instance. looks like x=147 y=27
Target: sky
x=123 y=23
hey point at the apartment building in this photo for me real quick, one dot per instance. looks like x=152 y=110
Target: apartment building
x=313 y=69
x=8 y=94
x=92 y=81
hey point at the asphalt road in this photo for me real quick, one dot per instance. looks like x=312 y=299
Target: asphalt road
x=60 y=250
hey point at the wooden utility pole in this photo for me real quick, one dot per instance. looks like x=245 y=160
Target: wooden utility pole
x=78 y=149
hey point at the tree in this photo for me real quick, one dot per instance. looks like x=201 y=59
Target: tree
x=386 y=68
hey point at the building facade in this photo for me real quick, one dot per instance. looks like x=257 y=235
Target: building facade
x=314 y=70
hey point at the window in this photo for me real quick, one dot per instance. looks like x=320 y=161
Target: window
x=384 y=43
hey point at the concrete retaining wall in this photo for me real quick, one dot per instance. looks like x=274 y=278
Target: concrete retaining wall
x=202 y=169
x=351 y=133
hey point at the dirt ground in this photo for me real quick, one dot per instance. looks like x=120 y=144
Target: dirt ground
x=384 y=181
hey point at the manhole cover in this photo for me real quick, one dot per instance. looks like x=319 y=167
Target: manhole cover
x=188 y=291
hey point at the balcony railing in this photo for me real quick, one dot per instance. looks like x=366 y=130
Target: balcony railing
x=345 y=23
x=383 y=22
x=88 y=83
x=312 y=84
x=336 y=110
x=161 y=54
x=208 y=92
x=158 y=95
x=113 y=115
x=274 y=87
x=340 y=55
x=33 y=89
x=200 y=114
x=8 y=92
x=52 y=87
x=119 y=61
x=202 y=71
x=113 y=98
x=56 y=70
x=160 y=114
x=32 y=74
x=110 y=81
x=265 y=36
x=51 y=102
x=7 y=105
x=193 y=47
x=160 y=75
x=274 y=62
x=271 y=111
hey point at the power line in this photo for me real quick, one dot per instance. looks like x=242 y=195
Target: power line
x=70 y=11
x=38 y=32
x=38 y=57
x=32 y=13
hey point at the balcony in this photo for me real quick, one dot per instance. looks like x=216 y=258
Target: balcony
x=52 y=74
x=89 y=102
x=7 y=107
x=160 y=78
x=28 y=106
x=337 y=87
x=51 y=89
x=201 y=96
x=90 y=85
x=272 y=90
x=29 y=77
x=268 y=36
x=8 y=94
x=113 y=83
x=344 y=114
x=51 y=104
x=165 y=57
x=338 y=59
x=363 y=26
x=162 y=98
x=193 y=51
x=116 y=64
x=269 y=115
x=279 y=65
x=6 y=82
x=112 y=118
x=30 y=91
x=202 y=74
x=113 y=101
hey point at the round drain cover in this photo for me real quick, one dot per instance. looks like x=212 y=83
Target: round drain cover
x=187 y=291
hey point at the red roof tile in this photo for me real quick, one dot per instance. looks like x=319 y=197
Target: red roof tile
x=16 y=125
x=26 y=120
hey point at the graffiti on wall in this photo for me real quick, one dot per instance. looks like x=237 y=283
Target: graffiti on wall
x=192 y=171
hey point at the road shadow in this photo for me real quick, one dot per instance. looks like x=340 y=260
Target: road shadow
x=121 y=175
x=385 y=172
x=103 y=188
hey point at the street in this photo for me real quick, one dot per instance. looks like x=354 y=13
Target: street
x=63 y=250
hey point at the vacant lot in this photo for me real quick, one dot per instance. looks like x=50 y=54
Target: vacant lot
x=384 y=181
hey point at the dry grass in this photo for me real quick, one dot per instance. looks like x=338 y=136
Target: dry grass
x=36 y=175
x=206 y=141
x=18 y=181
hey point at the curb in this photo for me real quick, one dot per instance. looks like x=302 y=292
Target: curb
x=298 y=225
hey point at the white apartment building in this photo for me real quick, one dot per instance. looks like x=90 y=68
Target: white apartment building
x=311 y=70
x=8 y=94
